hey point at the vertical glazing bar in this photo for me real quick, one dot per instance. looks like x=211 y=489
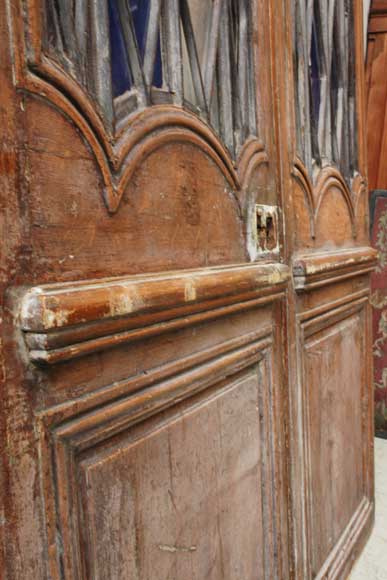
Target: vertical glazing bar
x=101 y=54
x=225 y=86
x=211 y=49
x=132 y=49
x=243 y=58
x=193 y=55
x=151 y=42
x=172 y=48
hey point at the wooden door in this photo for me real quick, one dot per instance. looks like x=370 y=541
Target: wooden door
x=330 y=337
x=185 y=328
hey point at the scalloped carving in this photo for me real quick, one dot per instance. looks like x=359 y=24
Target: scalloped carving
x=300 y=173
x=327 y=179
x=252 y=155
x=119 y=150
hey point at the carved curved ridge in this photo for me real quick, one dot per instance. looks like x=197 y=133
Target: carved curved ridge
x=318 y=269
x=144 y=133
x=327 y=179
x=118 y=150
x=359 y=188
x=251 y=156
x=300 y=173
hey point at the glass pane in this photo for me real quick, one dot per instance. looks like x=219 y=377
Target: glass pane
x=200 y=20
x=315 y=78
x=122 y=77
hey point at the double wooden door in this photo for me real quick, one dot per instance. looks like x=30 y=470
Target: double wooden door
x=185 y=340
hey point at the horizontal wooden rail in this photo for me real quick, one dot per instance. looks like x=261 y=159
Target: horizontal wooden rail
x=63 y=321
x=314 y=270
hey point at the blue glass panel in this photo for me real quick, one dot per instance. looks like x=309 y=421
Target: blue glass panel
x=121 y=75
x=315 y=77
x=140 y=14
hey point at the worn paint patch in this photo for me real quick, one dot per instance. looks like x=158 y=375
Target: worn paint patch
x=176 y=549
x=190 y=291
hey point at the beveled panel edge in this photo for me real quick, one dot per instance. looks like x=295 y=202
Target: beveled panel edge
x=67 y=320
x=74 y=435
x=318 y=269
x=310 y=325
x=338 y=559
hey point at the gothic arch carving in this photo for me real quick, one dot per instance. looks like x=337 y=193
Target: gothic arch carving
x=300 y=174
x=327 y=179
x=120 y=141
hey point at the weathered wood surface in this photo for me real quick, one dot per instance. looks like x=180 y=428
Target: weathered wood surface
x=195 y=404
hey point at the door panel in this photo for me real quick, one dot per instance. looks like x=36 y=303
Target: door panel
x=330 y=407
x=169 y=443
x=335 y=383
x=223 y=321
x=180 y=272
x=335 y=406
x=168 y=496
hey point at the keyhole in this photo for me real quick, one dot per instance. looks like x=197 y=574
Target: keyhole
x=266 y=224
x=270 y=233
x=261 y=231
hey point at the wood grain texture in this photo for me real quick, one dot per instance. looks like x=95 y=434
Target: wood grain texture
x=324 y=214
x=324 y=268
x=171 y=434
x=101 y=440
x=333 y=415
x=62 y=322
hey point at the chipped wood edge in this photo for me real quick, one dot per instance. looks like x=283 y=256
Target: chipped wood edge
x=323 y=268
x=65 y=321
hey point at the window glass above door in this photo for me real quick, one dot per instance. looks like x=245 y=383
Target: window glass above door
x=325 y=84
x=132 y=54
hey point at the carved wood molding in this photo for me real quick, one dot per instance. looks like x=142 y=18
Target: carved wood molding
x=119 y=145
x=338 y=558
x=324 y=75
x=314 y=270
x=351 y=308
x=378 y=12
x=252 y=155
x=64 y=321
x=328 y=178
x=72 y=436
x=312 y=324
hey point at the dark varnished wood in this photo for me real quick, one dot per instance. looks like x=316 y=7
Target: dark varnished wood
x=68 y=321
x=176 y=403
x=327 y=221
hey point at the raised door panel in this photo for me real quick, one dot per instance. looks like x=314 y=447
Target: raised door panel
x=327 y=221
x=167 y=497
x=167 y=458
x=125 y=325
x=334 y=379
x=335 y=407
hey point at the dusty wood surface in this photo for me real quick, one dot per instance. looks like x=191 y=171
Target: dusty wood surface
x=174 y=403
